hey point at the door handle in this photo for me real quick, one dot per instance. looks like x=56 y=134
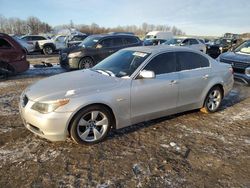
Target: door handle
x=172 y=82
x=205 y=76
x=111 y=51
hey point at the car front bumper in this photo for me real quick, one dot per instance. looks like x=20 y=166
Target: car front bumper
x=51 y=126
x=69 y=63
x=242 y=78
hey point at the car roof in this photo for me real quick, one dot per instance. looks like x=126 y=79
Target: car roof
x=160 y=48
x=112 y=35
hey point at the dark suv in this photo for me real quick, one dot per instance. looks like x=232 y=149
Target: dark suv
x=94 y=49
x=239 y=58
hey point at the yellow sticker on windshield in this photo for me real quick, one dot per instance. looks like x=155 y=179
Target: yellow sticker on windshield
x=140 y=54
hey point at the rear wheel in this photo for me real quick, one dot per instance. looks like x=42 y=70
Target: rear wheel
x=91 y=125
x=213 y=100
x=86 y=63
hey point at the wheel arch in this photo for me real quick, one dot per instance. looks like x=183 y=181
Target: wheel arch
x=93 y=104
x=215 y=85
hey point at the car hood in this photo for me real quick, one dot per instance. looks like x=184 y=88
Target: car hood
x=72 y=84
x=236 y=56
x=72 y=49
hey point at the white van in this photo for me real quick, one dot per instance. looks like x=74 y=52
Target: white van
x=159 y=35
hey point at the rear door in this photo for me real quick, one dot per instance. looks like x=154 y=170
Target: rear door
x=152 y=98
x=194 y=76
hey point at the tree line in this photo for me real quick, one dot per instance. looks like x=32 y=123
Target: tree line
x=33 y=25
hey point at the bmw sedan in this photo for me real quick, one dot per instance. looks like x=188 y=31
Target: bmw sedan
x=131 y=86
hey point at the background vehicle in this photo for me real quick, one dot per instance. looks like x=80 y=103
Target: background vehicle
x=94 y=49
x=12 y=56
x=133 y=85
x=196 y=44
x=157 y=37
x=28 y=46
x=50 y=46
x=239 y=58
x=74 y=40
x=33 y=38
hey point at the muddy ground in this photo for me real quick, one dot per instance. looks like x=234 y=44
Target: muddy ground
x=191 y=149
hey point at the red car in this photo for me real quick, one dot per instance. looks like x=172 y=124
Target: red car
x=12 y=56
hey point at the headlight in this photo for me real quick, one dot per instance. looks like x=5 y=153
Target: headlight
x=48 y=107
x=247 y=71
x=75 y=54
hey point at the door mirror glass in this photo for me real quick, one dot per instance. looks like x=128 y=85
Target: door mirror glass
x=98 y=46
x=146 y=74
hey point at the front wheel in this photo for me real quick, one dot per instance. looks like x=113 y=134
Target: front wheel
x=213 y=100
x=86 y=63
x=48 y=50
x=91 y=125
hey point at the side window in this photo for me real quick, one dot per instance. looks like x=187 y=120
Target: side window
x=190 y=60
x=4 y=44
x=117 y=42
x=130 y=40
x=78 y=38
x=106 y=43
x=163 y=63
x=26 y=38
x=193 y=41
x=38 y=38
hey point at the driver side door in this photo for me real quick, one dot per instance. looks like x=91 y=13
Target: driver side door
x=156 y=97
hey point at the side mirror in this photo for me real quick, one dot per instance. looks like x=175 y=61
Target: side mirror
x=146 y=74
x=98 y=46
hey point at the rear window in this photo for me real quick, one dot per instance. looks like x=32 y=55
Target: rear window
x=190 y=60
x=4 y=43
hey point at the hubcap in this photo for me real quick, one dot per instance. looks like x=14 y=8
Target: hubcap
x=48 y=50
x=86 y=63
x=92 y=126
x=214 y=100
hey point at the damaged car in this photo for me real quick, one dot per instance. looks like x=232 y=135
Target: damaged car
x=12 y=56
x=133 y=85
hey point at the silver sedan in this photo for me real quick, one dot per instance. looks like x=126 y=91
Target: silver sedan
x=133 y=85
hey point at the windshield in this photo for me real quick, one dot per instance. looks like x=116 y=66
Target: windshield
x=173 y=41
x=90 y=42
x=222 y=41
x=122 y=63
x=244 y=48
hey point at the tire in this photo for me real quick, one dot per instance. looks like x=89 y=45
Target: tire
x=91 y=125
x=85 y=63
x=48 y=50
x=213 y=100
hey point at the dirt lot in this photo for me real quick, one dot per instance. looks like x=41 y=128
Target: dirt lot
x=186 y=150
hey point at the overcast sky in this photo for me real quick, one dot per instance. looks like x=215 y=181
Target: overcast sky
x=195 y=17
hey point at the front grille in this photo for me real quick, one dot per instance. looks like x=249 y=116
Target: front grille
x=236 y=64
x=25 y=100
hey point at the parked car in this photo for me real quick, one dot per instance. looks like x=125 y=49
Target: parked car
x=221 y=45
x=33 y=38
x=28 y=46
x=132 y=85
x=94 y=49
x=75 y=40
x=239 y=58
x=153 y=42
x=193 y=43
x=12 y=56
x=157 y=37
x=52 y=45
